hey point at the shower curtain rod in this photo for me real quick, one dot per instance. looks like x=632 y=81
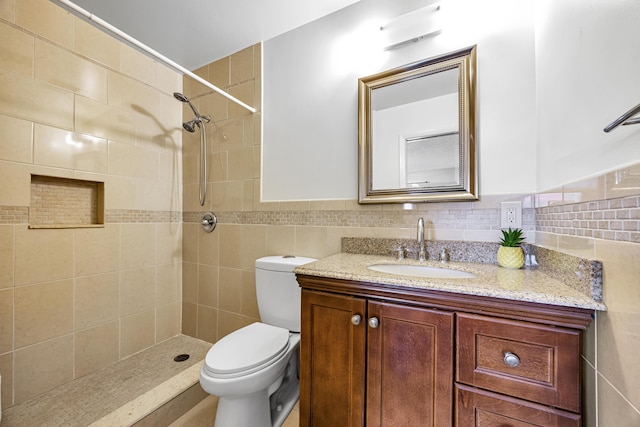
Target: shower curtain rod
x=70 y=5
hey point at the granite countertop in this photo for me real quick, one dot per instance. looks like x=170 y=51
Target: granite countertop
x=531 y=285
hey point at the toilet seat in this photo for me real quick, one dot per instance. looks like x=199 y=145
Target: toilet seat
x=246 y=350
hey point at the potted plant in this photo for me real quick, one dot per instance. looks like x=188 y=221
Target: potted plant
x=510 y=254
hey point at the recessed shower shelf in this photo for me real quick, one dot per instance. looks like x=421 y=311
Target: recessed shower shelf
x=58 y=203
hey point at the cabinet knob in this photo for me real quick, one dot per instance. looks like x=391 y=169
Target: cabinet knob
x=511 y=359
x=374 y=322
x=356 y=319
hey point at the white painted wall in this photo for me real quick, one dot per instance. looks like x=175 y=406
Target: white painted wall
x=310 y=94
x=587 y=72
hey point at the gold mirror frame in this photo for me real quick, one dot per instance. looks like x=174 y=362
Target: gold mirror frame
x=467 y=186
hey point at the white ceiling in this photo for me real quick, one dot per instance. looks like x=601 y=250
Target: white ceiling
x=196 y=32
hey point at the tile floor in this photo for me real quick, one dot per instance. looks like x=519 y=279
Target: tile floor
x=203 y=415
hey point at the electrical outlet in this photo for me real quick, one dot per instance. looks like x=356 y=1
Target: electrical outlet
x=511 y=215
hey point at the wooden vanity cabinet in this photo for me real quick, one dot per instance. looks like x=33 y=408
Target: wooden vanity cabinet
x=374 y=363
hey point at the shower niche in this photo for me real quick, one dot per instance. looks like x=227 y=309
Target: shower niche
x=65 y=203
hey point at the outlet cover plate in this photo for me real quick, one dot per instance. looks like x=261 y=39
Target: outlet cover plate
x=511 y=215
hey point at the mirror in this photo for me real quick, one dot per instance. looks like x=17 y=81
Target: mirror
x=416 y=131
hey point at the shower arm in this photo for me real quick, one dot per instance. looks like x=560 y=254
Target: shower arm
x=68 y=5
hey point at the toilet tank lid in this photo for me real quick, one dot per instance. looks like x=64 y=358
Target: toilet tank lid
x=282 y=262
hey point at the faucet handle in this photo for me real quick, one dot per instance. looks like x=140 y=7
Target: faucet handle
x=444 y=255
x=400 y=251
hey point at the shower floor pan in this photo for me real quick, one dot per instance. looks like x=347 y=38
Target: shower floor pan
x=148 y=388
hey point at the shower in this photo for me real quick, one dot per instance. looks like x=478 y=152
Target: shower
x=190 y=126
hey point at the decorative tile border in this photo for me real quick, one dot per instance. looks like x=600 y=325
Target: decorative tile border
x=614 y=219
x=477 y=219
x=14 y=215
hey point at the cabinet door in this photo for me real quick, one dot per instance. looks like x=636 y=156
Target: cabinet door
x=409 y=366
x=332 y=356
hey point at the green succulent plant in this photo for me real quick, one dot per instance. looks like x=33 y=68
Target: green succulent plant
x=511 y=238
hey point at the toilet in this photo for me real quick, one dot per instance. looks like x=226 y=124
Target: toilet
x=254 y=370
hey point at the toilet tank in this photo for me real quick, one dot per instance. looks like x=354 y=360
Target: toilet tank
x=278 y=292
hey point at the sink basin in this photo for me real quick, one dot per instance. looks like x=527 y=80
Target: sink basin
x=421 y=271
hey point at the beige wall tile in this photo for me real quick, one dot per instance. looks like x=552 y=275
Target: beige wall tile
x=66 y=70
x=43 y=312
x=585 y=190
x=190 y=319
x=231 y=288
x=613 y=409
x=6 y=320
x=97 y=300
x=104 y=121
x=247 y=195
x=136 y=64
x=241 y=164
x=167 y=79
x=43 y=366
x=97 y=250
x=280 y=240
x=48 y=20
x=16 y=140
x=229 y=134
x=618 y=329
x=6 y=256
x=137 y=290
x=311 y=242
x=168 y=243
x=578 y=246
x=227 y=196
x=208 y=247
x=71 y=150
x=244 y=92
x=168 y=283
x=207 y=321
x=229 y=322
x=137 y=332
x=249 y=302
x=189 y=239
x=6 y=367
x=8 y=10
x=96 y=348
x=168 y=319
x=43 y=255
x=216 y=106
x=231 y=241
x=97 y=45
x=241 y=65
x=16 y=50
x=219 y=72
x=254 y=245
x=207 y=292
x=34 y=100
x=137 y=245
x=119 y=192
x=189 y=282
x=196 y=88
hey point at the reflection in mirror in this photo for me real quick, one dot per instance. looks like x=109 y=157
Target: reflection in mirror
x=417 y=131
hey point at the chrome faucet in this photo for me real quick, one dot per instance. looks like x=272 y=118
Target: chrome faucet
x=421 y=254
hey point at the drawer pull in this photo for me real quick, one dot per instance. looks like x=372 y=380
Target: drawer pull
x=374 y=322
x=356 y=319
x=511 y=359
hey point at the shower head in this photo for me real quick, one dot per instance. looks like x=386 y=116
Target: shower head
x=190 y=126
x=180 y=97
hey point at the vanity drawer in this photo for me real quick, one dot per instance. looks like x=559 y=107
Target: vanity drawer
x=480 y=408
x=531 y=361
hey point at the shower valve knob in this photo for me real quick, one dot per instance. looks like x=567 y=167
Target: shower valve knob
x=209 y=222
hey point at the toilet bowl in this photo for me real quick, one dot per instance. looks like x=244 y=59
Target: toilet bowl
x=254 y=370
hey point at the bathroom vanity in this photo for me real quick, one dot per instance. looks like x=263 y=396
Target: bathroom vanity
x=378 y=349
